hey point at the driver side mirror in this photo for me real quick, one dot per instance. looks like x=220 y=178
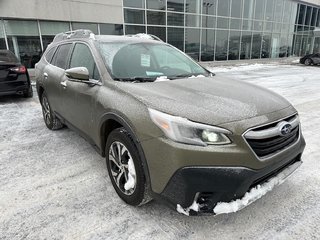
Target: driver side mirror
x=78 y=73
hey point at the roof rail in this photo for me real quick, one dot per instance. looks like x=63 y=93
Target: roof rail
x=80 y=33
x=146 y=36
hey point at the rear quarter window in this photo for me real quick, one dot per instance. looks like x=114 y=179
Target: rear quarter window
x=60 y=58
x=50 y=54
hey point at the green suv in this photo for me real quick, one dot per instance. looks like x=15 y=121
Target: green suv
x=169 y=129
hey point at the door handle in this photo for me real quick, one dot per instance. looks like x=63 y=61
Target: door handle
x=64 y=84
x=45 y=75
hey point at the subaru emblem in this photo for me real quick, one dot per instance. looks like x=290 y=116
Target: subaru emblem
x=285 y=129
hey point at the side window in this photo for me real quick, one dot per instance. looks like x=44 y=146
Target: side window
x=49 y=54
x=60 y=58
x=82 y=57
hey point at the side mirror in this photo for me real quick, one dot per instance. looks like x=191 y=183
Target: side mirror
x=78 y=73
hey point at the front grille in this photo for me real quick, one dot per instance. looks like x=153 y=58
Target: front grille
x=274 y=142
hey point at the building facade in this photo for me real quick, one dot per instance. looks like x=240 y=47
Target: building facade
x=207 y=30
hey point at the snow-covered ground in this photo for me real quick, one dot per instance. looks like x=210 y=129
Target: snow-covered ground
x=53 y=185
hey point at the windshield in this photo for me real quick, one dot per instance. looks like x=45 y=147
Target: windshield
x=148 y=61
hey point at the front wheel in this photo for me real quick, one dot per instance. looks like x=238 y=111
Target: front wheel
x=125 y=168
x=308 y=62
x=51 y=121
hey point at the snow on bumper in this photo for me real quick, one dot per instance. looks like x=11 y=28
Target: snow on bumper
x=256 y=192
x=250 y=197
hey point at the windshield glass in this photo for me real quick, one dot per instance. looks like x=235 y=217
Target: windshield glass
x=132 y=61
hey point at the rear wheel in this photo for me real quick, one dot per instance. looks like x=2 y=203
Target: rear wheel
x=51 y=121
x=308 y=62
x=125 y=168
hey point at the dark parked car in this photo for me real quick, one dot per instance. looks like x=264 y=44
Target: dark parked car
x=310 y=59
x=14 y=77
x=168 y=128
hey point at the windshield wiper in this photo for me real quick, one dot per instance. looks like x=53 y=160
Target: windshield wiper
x=136 y=79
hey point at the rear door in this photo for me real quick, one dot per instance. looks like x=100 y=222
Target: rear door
x=79 y=97
x=54 y=74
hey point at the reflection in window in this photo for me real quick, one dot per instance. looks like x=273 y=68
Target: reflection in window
x=269 y=10
x=134 y=16
x=266 y=45
x=275 y=46
x=133 y=29
x=176 y=37
x=235 y=24
x=208 y=22
x=246 y=40
x=278 y=10
x=156 y=18
x=248 y=9
x=207 y=45
x=193 y=6
x=156 y=4
x=175 y=5
x=175 y=19
x=302 y=11
x=133 y=3
x=209 y=7
x=308 y=16
x=234 y=45
x=192 y=47
x=224 y=8
x=158 y=31
x=24 y=41
x=2 y=41
x=259 y=9
x=236 y=8
x=192 y=20
x=314 y=17
x=284 y=46
x=256 y=45
x=221 y=45
x=111 y=29
x=223 y=23
x=91 y=26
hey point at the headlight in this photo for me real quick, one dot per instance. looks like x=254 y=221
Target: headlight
x=182 y=130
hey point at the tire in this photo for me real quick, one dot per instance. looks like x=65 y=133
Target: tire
x=134 y=192
x=28 y=93
x=308 y=62
x=51 y=121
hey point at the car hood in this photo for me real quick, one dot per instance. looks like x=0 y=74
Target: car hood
x=210 y=100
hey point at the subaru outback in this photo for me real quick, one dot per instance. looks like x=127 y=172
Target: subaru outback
x=168 y=128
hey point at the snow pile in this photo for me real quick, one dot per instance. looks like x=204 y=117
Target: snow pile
x=244 y=67
x=195 y=207
x=130 y=184
x=255 y=193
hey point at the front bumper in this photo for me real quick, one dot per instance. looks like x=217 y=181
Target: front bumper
x=208 y=186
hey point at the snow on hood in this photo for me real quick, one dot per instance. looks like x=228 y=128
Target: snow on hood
x=211 y=100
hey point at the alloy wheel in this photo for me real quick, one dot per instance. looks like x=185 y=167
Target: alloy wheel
x=46 y=110
x=122 y=168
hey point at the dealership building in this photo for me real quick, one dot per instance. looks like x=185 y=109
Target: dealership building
x=207 y=30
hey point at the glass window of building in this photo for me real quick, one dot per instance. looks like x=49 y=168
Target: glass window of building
x=259 y=9
x=24 y=41
x=221 y=45
x=111 y=29
x=287 y=11
x=301 y=15
x=236 y=8
x=207 y=44
x=156 y=4
x=208 y=22
x=192 y=20
x=248 y=9
x=91 y=26
x=314 y=17
x=278 y=8
x=246 y=40
x=134 y=29
x=234 y=45
x=256 y=45
x=235 y=23
x=192 y=42
x=134 y=16
x=224 y=8
x=247 y=25
x=308 y=16
x=133 y=3
x=175 y=19
x=209 y=7
x=156 y=18
x=193 y=6
x=176 y=37
x=257 y=26
x=175 y=5
x=269 y=10
x=158 y=31
x=284 y=46
x=49 y=29
x=266 y=45
x=275 y=45
x=2 y=40
x=223 y=23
